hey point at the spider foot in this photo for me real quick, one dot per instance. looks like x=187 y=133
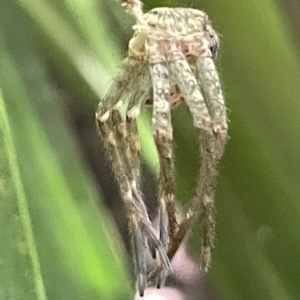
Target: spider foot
x=157 y=250
x=157 y=276
x=161 y=279
x=141 y=284
x=205 y=259
x=158 y=273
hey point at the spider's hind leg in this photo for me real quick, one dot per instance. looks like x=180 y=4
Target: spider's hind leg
x=163 y=137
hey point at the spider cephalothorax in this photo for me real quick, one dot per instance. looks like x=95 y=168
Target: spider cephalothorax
x=170 y=59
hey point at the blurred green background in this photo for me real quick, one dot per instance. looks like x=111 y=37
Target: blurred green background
x=58 y=236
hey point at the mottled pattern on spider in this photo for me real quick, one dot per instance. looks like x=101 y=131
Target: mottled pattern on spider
x=171 y=57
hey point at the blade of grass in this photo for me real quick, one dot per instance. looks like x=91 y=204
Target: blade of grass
x=10 y=155
x=73 y=236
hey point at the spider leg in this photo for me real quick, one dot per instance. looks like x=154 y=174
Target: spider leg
x=163 y=136
x=129 y=138
x=211 y=149
x=210 y=83
x=120 y=86
x=121 y=149
x=136 y=101
x=139 y=223
x=135 y=211
x=188 y=85
x=143 y=94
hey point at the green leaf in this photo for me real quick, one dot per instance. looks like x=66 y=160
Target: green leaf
x=19 y=257
x=79 y=252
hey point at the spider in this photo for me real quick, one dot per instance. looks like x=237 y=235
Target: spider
x=171 y=58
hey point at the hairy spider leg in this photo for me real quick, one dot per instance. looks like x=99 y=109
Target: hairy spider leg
x=139 y=224
x=136 y=101
x=130 y=73
x=204 y=199
x=143 y=238
x=163 y=137
x=135 y=211
x=211 y=149
x=113 y=131
x=188 y=85
x=128 y=145
x=129 y=138
x=208 y=79
x=119 y=87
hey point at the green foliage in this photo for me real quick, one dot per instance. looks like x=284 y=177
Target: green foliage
x=55 y=237
x=57 y=241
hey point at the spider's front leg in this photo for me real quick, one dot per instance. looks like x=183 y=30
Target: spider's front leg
x=163 y=137
x=185 y=79
x=212 y=148
x=209 y=80
x=212 y=143
x=122 y=144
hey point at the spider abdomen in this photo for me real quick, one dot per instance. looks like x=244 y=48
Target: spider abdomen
x=176 y=20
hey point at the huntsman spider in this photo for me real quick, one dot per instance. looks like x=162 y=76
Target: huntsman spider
x=170 y=60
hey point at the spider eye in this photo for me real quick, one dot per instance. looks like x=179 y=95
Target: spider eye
x=214 y=48
x=214 y=39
